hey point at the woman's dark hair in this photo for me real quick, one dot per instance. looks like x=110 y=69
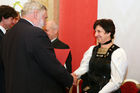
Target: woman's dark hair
x=107 y=25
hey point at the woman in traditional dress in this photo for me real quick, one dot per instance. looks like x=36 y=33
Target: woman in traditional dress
x=103 y=67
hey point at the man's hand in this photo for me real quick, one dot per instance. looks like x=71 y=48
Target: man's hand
x=75 y=78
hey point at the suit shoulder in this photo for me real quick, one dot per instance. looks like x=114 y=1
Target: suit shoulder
x=26 y=26
x=59 y=44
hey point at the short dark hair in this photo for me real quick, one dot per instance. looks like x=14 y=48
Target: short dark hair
x=7 y=11
x=107 y=25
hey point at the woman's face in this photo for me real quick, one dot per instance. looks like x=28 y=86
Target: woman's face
x=101 y=35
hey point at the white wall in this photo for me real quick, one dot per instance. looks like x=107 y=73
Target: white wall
x=18 y=6
x=126 y=16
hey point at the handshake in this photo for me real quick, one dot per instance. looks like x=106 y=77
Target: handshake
x=75 y=78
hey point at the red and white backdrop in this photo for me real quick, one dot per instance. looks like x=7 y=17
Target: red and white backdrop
x=76 y=27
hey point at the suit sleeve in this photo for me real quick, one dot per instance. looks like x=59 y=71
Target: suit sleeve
x=84 y=65
x=41 y=50
x=68 y=63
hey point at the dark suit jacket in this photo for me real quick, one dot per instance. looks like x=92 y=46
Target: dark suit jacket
x=60 y=45
x=1 y=67
x=30 y=62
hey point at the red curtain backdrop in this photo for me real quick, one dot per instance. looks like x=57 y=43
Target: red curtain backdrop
x=76 y=26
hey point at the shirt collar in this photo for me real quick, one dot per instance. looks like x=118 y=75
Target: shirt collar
x=53 y=39
x=3 y=29
x=29 y=22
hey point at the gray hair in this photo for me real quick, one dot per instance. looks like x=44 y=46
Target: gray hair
x=31 y=6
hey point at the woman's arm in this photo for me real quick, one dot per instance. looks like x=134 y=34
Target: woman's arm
x=84 y=63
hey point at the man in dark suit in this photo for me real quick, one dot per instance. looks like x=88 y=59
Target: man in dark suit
x=7 y=14
x=28 y=57
x=53 y=32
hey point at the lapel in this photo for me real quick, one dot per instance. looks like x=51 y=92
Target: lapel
x=56 y=40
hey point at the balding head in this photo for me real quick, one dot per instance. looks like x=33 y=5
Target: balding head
x=52 y=29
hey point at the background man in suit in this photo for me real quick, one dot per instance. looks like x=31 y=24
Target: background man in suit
x=28 y=57
x=53 y=31
x=7 y=14
x=16 y=19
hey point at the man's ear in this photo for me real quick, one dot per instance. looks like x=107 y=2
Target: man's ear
x=2 y=19
x=109 y=34
x=55 y=31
